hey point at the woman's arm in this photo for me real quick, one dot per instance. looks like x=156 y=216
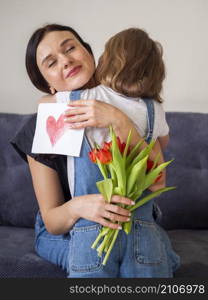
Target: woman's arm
x=59 y=216
x=56 y=214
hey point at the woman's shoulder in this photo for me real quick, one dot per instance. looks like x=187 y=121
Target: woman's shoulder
x=26 y=129
x=23 y=140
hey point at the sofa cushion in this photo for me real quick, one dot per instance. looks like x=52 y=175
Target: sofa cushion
x=187 y=206
x=18 y=205
x=18 y=258
x=192 y=247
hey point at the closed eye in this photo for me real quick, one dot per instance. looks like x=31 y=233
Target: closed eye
x=69 y=49
x=52 y=63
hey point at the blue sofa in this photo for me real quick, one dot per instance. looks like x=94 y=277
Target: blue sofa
x=185 y=210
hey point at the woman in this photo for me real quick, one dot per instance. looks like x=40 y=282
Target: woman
x=57 y=59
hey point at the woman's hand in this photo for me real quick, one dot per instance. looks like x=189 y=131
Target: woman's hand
x=93 y=113
x=93 y=207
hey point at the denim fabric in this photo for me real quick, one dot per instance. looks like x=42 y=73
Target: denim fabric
x=145 y=252
x=54 y=248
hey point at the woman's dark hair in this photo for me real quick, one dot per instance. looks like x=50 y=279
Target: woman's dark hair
x=30 y=59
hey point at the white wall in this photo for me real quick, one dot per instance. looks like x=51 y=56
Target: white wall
x=180 y=25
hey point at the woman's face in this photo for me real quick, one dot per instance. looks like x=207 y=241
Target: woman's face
x=63 y=61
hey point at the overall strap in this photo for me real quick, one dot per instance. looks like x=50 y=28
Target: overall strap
x=75 y=95
x=157 y=214
x=150 y=118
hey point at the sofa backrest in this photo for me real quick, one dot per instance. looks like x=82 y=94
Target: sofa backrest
x=18 y=204
x=185 y=207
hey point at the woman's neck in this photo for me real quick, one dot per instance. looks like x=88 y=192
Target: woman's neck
x=91 y=83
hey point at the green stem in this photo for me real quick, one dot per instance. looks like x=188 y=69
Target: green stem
x=102 y=245
x=100 y=235
x=103 y=169
x=110 y=247
x=151 y=196
x=109 y=240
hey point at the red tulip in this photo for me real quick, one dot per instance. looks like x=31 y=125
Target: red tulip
x=107 y=146
x=158 y=177
x=104 y=156
x=121 y=145
x=149 y=167
x=92 y=155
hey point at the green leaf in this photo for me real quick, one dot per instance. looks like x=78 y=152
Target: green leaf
x=102 y=168
x=136 y=194
x=127 y=144
x=151 y=196
x=155 y=161
x=137 y=174
x=118 y=163
x=133 y=152
x=152 y=175
x=113 y=174
x=118 y=191
x=105 y=187
x=128 y=225
x=146 y=151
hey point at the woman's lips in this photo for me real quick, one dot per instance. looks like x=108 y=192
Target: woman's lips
x=74 y=71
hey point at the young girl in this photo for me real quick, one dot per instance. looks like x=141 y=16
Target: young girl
x=131 y=72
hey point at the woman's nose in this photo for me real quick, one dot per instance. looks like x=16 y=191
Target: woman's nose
x=66 y=61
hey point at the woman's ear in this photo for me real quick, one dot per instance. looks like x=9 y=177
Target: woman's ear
x=52 y=90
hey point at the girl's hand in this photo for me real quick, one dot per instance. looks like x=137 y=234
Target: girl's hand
x=94 y=113
x=91 y=113
x=93 y=207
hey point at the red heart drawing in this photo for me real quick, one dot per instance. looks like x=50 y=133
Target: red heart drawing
x=56 y=129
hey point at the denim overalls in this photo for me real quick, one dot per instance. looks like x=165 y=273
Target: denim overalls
x=145 y=252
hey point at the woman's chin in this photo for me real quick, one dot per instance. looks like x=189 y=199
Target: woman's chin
x=78 y=83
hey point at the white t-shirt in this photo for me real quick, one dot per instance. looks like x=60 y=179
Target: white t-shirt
x=134 y=108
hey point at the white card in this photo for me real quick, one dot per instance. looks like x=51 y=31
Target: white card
x=52 y=134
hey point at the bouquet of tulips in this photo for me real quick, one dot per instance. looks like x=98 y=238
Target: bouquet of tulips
x=126 y=172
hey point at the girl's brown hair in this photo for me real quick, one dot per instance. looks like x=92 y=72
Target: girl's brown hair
x=132 y=65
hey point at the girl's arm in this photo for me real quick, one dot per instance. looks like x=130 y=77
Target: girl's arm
x=164 y=140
